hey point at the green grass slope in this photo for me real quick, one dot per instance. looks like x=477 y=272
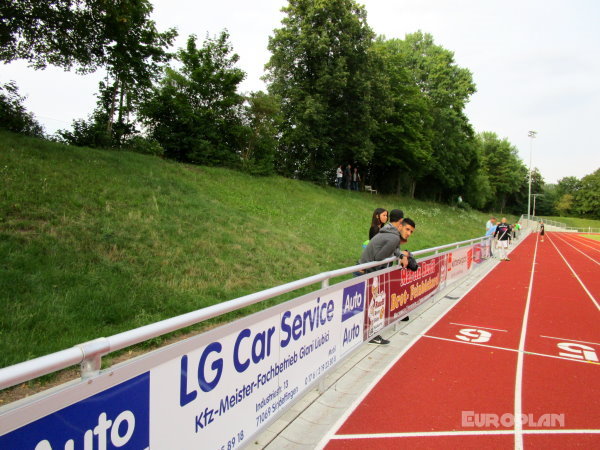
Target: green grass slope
x=95 y=242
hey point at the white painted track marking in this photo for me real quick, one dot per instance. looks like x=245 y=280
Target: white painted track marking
x=520 y=357
x=495 y=347
x=459 y=433
x=571 y=340
x=477 y=326
x=590 y=243
x=584 y=254
x=575 y=274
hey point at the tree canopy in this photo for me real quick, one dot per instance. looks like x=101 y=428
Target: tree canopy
x=320 y=69
x=81 y=33
x=195 y=112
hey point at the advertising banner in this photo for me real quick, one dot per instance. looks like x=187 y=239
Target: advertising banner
x=443 y=263
x=218 y=395
x=376 y=295
x=458 y=263
x=113 y=419
x=353 y=313
x=408 y=288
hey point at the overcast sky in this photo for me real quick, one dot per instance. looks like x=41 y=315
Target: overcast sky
x=536 y=65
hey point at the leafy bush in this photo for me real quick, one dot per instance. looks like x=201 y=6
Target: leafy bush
x=13 y=115
x=146 y=146
x=87 y=133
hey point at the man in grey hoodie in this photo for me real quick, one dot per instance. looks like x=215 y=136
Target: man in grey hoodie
x=386 y=243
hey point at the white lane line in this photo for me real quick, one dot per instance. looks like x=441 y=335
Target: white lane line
x=576 y=276
x=570 y=340
x=586 y=242
x=509 y=349
x=477 y=326
x=327 y=437
x=520 y=357
x=584 y=254
x=460 y=433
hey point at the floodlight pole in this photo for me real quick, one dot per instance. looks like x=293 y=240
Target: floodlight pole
x=534 y=197
x=531 y=134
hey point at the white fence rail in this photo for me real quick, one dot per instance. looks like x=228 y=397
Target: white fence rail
x=89 y=354
x=552 y=225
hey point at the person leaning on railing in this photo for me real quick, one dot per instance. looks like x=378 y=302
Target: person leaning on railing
x=385 y=244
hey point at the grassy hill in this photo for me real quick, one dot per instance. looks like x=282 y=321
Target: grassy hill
x=95 y=242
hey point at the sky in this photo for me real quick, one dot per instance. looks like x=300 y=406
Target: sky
x=535 y=63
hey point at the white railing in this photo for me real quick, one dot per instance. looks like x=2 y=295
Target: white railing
x=546 y=221
x=583 y=229
x=558 y=226
x=89 y=354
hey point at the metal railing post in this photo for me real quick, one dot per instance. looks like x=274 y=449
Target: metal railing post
x=92 y=356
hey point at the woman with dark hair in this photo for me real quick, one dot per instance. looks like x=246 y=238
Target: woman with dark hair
x=380 y=218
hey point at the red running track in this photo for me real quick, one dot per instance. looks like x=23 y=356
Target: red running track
x=523 y=343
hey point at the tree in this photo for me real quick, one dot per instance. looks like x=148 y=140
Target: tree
x=587 y=198
x=262 y=116
x=448 y=89
x=196 y=113
x=545 y=203
x=506 y=173
x=56 y=32
x=564 y=204
x=87 y=133
x=537 y=181
x=320 y=69
x=133 y=58
x=13 y=115
x=90 y=34
x=403 y=123
x=478 y=189
x=568 y=185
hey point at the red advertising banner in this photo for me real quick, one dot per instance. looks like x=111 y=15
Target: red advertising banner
x=392 y=295
x=407 y=288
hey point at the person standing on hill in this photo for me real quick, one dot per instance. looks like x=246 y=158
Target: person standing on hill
x=348 y=176
x=502 y=234
x=339 y=176
x=355 y=179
